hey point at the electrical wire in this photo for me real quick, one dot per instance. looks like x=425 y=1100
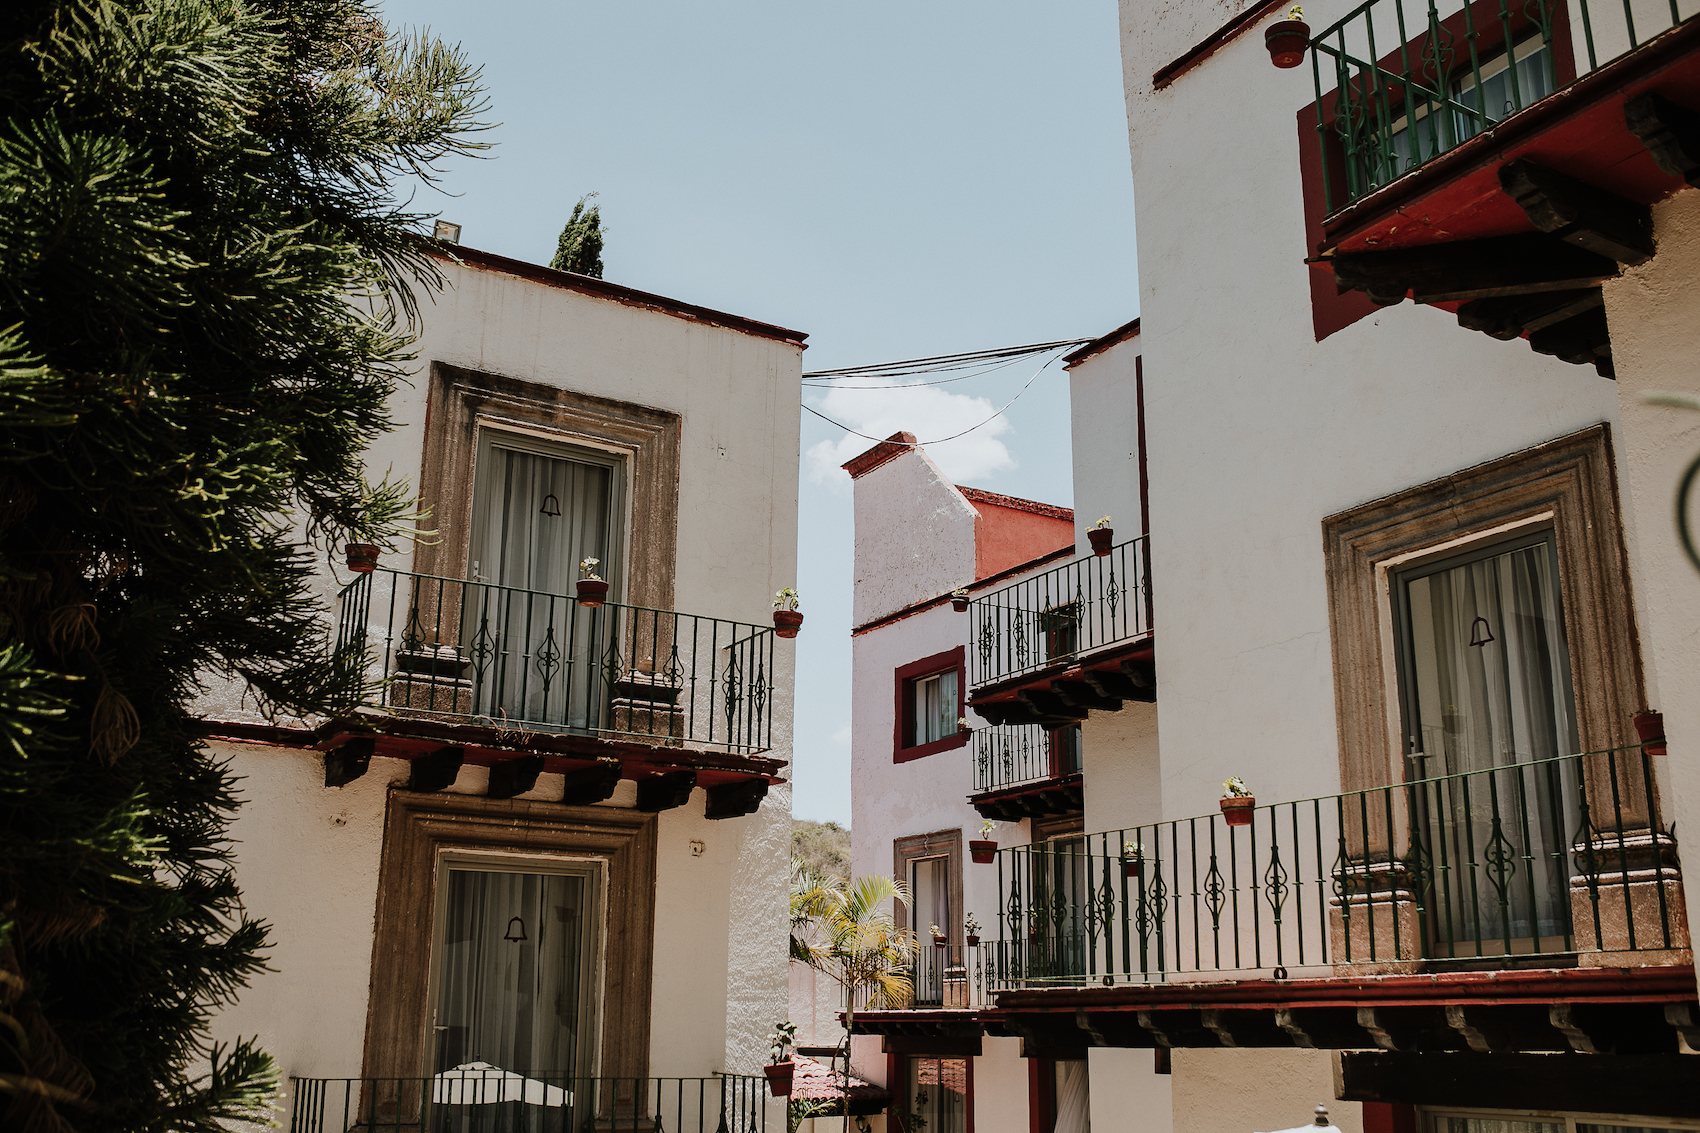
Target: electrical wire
x=916 y=385
x=940 y=363
x=971 y=428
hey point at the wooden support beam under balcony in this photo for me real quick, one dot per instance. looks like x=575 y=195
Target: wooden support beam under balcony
x=1068 y=692
x=1512 y=223
x=1041 y=798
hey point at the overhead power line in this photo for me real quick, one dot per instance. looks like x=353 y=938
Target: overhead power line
x=941 y=362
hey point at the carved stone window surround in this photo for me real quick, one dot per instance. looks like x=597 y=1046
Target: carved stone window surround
x=939 y=844
x=419 y=829
x=459 y=399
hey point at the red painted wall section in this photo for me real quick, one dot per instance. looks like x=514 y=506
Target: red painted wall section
x=1389 y=1117
x=1013 y=531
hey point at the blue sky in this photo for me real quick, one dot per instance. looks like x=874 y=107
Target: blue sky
x=896 y=179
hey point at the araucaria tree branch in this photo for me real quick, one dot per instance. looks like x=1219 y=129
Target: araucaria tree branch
x=206 y=299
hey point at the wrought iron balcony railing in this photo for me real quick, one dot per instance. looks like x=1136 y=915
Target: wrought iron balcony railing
x=1543 y=858
x=943 y=975
x=1009 y=755
x=1059 y=614
x=1399 y=82
x=533 y=661
x=484 y=1099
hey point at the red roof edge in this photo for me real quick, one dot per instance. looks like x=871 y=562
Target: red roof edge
x=1099 y=345
x=891 y=448
x=602 y=289
x=981 y=496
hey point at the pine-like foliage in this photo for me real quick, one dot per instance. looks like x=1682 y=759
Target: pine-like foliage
x=580 y=246
x=204 y=306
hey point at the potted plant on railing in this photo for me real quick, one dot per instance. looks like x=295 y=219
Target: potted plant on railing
x=786 y=620
x=983 y=849
x=971 y=931
x=962 y=728
x=1288 y=40
x=592 y=588
x=1101 y=535
x=1133 y=859
x=1238 y=803
x=1650 y=730
x=959 y=599
x=781 y=1070
x=939 y=938
x=362 y=558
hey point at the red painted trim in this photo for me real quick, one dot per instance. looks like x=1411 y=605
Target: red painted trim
x=968 y=1099
x=889 y=449
x=903 y=723
x=981 y=496
x=979 y=584
x=1144 y=471
x=602 y=289
x=1389 y=1117
x=1331 y=309
x=1098 y=345
x=1041 y=1099
x=1213 y=42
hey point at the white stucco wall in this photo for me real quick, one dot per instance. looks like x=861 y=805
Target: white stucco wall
x=1255 y=431
x=1128 y=1094
x=308 y=856
x=1104 y=432
x=1000 y=1087
x=914 y=536
x=1245 y=1090
x=1654 y=315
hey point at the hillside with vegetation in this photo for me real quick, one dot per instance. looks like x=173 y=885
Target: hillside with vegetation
x=823 y=847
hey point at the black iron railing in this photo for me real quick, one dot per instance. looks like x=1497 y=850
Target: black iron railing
x=481 y=1099
x=1061 y=613
x=940 y=975
x=1011 y=754
x=1548 y=857
x=1399 y=82
x=525 y=660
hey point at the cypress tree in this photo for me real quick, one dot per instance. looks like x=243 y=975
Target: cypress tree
x=206 y=298
x=580 y=247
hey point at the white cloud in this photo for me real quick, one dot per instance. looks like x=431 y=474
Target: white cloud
x=841 y=737
x=926 y=411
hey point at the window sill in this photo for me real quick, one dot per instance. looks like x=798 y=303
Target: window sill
x=921 y=751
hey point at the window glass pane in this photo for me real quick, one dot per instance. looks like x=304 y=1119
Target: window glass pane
x=935 y=708
x=929 y=888
x=509 y=993
x=937 y=1095
x=1495 y=1125
x=1486 y=687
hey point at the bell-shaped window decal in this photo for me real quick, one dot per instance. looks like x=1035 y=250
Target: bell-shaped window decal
x=1480 y=634
x=551 y=506
x=516 y=931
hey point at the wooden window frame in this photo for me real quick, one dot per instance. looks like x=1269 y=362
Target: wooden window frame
x=903 y=724
x=460 y=402
x=420 y=829
x=939 y=844
x=1568 y=484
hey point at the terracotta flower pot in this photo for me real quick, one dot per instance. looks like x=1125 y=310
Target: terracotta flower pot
x=1650 y=728
x=1101 y=539
x=592 y=592
x=1287 y=41
x=982 y=850
x=786 y=623
x=973 y=939
x=1237 y=809
x=940 y=942
x=362 y=557
x=959 y=603
x=1133 y=867
x=779 y=1075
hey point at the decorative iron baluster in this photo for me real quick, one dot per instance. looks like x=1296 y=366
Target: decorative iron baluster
x=732 y=693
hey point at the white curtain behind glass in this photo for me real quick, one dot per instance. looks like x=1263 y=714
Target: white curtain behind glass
x=935 y=707
x=1497 y=703
x=513 y=1004
x=542 y=668
x=1074 y=1110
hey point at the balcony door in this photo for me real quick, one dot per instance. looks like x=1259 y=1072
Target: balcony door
x=1485 y=697
x=514 y=994
x=539 y=510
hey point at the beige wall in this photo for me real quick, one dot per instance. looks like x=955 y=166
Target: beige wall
x=1255 y=1091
